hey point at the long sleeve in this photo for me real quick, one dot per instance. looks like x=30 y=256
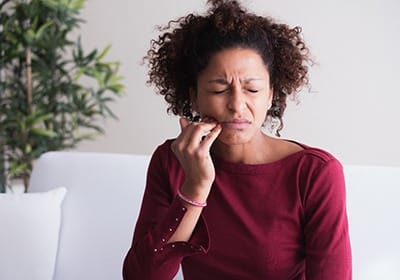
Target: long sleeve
x=327 y=244
x=150 y=257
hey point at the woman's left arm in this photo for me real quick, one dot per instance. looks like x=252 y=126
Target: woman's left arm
x=328 y=251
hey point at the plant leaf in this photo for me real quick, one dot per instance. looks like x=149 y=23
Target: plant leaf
x=43 y=132
x=103 y=53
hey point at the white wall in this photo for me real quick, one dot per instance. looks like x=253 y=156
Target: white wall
x=352 y=109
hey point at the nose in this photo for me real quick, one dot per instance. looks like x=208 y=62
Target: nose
x=237 y=100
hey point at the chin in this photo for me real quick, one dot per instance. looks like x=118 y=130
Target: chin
x=231 y=139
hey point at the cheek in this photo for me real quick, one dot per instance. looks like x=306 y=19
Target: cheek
x=208 y=105
x=262 y=107
x=268 y=101
x=264 y=98
x=262 y=111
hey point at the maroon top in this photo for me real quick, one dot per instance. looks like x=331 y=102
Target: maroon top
x=280 y=220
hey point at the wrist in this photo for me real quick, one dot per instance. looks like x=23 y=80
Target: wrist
x=190 y=201
x=198 y=192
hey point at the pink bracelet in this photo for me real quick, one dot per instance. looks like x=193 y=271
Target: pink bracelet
x=191 y=202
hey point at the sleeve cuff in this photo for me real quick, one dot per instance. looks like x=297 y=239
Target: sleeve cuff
x=198 y=243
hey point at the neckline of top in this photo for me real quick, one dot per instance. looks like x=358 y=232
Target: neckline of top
x=234 y=167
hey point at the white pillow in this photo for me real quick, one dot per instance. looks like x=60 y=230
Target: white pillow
x=29 y=230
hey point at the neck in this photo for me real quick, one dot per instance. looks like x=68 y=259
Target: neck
x=253 y=152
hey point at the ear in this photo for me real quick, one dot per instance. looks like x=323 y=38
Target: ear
x=193 y=98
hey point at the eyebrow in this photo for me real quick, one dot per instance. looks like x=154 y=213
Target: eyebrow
x=225 y=82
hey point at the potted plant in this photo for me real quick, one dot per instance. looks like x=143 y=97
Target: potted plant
x=52 y=92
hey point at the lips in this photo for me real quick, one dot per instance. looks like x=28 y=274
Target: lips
x=238 y=124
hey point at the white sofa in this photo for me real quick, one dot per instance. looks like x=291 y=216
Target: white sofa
x=103 y=198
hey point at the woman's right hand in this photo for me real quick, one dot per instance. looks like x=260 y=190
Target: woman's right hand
x=192 y=148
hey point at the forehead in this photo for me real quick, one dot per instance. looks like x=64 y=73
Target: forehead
x=235 y=61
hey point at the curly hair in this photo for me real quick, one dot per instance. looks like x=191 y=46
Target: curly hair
x=186 y=45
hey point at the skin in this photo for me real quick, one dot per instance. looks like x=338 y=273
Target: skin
x=233 y=96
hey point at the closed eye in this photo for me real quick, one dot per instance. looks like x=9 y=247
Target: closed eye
x=252 y=90
x=220 y=91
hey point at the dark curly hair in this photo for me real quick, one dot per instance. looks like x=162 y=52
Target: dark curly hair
x=186 y=45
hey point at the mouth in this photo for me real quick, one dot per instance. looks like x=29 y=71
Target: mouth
x=237 y=124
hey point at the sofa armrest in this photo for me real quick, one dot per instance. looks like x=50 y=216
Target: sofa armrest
x=99 y=210
x=373 y=194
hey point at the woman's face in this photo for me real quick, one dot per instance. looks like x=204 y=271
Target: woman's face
x=234 y=89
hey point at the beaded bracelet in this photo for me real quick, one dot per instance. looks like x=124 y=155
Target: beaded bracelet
x=191 y=202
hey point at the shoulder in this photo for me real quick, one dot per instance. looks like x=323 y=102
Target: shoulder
x=320 y=176
x=164 y=148
x=318 y=154
x=320 y=171
x=310 y=153
x=318 y=162
x=294 y=150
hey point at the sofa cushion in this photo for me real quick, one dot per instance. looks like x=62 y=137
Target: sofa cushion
x=29 y=231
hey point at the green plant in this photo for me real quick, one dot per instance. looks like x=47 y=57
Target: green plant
x=52 y=93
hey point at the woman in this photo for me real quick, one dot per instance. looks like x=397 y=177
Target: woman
x=224 y=199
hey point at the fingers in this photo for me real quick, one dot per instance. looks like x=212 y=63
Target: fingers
x=183 y=122
x=210 y=138
x=195 y=133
